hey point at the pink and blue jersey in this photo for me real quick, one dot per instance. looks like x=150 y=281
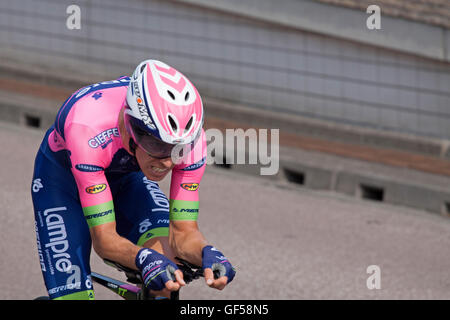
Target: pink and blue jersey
x=86 y=139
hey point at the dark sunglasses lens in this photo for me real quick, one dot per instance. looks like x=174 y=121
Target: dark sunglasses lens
x=153 y=146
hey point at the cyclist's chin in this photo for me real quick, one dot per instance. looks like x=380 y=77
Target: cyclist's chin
x=155 y=174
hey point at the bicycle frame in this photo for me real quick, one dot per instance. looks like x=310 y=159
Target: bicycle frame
x=123 y=289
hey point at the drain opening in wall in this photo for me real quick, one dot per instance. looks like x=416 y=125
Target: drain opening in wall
x=371 y=192
x=32 y=121
x=295 y=176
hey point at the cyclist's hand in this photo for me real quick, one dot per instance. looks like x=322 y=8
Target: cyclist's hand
x=158 y=272
x=214 y=260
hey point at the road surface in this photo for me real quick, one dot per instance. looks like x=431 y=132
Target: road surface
x=285 y=241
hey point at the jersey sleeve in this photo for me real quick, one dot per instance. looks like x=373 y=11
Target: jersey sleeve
x=88 y=166
x=185 y=183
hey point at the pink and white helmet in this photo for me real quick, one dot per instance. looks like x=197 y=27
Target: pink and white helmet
x=163 y=108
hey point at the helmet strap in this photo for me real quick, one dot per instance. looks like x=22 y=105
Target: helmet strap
x=132 y=145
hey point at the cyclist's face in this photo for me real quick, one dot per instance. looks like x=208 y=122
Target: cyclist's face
x=154 y=169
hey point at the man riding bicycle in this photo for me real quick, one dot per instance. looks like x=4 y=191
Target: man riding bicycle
x=98 y=168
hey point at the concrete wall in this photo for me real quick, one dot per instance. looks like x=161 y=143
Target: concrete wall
x=238 y=59
x=408 y=36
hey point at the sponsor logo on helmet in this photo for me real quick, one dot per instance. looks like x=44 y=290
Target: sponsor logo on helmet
x=190 y=186
x=96 y=188
x=142 y=108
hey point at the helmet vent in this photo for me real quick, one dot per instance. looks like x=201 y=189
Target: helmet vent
x=189 y=125
x=173 y=124
x=171 y=94
x=143 y=67
x=186 y=97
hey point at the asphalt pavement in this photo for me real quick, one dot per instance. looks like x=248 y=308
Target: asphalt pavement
x=286 y=242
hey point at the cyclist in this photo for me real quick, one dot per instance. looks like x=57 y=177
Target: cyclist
x=95 y=184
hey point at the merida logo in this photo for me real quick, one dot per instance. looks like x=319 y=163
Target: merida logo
x=185 y=210
x=99 y=215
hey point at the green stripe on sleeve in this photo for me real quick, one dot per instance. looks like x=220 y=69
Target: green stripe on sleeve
x=183 y=210
x=153 y=233
x=99 y=214
x=82 y=295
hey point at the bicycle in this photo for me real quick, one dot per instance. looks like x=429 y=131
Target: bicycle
x=134 y=288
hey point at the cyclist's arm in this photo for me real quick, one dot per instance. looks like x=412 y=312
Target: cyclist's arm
x=96 y=198
x=187 y=241
x=184 y=235
x=108 y=244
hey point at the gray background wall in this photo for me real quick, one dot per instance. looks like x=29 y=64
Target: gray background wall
x=237 y=59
